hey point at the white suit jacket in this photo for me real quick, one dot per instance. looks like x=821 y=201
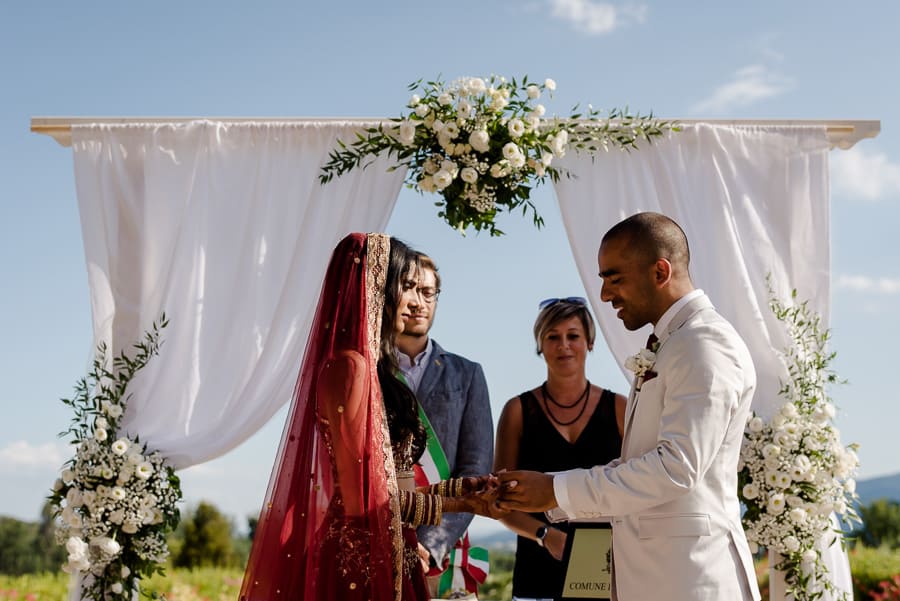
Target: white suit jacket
x=672 y=496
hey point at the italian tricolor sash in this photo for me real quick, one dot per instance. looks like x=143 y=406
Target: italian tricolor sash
x=467 y=566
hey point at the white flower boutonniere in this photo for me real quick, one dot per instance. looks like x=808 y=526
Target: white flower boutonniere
x=642 y=365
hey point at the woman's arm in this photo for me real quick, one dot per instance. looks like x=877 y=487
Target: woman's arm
x=343 y=392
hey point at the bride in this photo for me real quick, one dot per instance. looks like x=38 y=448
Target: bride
x=341 y=508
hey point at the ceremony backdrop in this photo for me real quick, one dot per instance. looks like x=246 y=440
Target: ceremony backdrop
x=226 y=229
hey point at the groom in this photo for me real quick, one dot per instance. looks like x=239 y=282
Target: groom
x=672 y=496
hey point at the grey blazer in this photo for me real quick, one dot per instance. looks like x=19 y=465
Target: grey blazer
x=454 y=395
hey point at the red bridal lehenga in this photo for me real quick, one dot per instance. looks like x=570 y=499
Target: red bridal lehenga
x=330 y=526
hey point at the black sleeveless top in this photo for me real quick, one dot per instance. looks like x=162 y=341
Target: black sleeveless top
x=543 y=448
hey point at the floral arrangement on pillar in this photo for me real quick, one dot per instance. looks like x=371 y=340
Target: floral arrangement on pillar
x=482 y=144
x=115 y=500
x=794 y=471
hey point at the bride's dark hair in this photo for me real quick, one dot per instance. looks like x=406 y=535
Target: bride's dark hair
x=400 y=402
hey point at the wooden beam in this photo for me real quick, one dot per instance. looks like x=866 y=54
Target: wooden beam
x=842 y=134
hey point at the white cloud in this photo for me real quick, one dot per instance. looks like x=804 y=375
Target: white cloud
x=21 y=455
x=859 y=175
x=862 y=283
x=597 y=18
x=749 y=85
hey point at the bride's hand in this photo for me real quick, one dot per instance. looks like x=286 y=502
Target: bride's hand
x=473 y=484
x=484 y=503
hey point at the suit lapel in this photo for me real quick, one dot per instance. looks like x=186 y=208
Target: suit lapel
x=681 y=318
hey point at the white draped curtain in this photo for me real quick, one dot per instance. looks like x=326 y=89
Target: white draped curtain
x=753 y=202
x=226 y=228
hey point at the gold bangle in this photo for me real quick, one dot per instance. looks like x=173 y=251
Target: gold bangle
x=420 y=509
x=459 y=487
x=438 y=511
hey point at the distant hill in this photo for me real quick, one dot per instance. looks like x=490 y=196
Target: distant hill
x=883 y=487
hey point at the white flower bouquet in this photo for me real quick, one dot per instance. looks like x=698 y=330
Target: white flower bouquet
x=482 y=144
x=794 y=471
x=115 y=500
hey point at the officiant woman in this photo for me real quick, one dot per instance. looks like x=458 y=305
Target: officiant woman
x=341 y=508
x=566 y=422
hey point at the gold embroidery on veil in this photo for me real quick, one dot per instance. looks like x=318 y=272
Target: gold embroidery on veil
x=378 y=253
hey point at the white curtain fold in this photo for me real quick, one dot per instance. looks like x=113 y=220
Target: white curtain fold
x=754 y=203
x=226 y=228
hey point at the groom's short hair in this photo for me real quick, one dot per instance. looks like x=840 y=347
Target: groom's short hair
x=653 y=236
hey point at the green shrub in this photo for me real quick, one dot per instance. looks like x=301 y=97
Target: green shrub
x=872 y=567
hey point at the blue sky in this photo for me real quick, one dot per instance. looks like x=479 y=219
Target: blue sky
x=761 y=60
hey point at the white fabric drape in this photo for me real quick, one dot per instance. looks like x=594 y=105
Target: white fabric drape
x=753 y=202
x=226 y=228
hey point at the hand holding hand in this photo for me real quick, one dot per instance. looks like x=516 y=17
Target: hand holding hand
x=484 y=502
x=526 y=491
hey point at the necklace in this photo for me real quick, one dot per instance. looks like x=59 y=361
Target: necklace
x=584 y=397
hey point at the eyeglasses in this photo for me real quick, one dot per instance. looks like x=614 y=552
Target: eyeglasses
x=572 y=300
x=428 y=294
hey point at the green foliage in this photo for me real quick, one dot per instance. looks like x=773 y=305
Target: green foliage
x=207 y=539
x=29 y=547
x=874 y=572
x=880 y=524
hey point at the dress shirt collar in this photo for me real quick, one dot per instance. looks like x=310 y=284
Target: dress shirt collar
x=662 y=325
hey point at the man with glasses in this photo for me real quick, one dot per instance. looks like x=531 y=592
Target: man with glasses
x=453 y=395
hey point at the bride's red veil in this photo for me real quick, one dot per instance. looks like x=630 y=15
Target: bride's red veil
x=291 y=557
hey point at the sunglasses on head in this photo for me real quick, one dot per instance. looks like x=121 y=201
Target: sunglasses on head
x=572 y=300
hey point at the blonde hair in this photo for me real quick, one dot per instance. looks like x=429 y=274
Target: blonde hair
x=559 y=311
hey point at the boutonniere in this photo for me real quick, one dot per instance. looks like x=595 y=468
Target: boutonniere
x=642 y=365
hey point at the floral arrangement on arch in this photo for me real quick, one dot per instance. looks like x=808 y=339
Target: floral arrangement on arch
x=794 y=471
x=483 y=144
x=115 y=500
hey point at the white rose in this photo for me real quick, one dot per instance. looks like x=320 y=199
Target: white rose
x=452 y=130
x=67 y=476
x=798 y=515
x=480 y=140
x=450 y=167
x=106 y=472
x=408 y=132
x=134 y=458
x=101 y=422
x=791 y=544
x=517 y=161
x=464 y=109
x=549 y=84
x=100 y=434
x=442 y=179
x=516 y=128
x=533 y=91
x=476 y=85
x=422 y=110
x=776 y=504
x=120 y=447
x=426 y=184
x=414 y=100
x=444 y=99
x=809 y=557
x=510 y=150
x=755 y=424
x=107 y=545
x=498 y=102
x=118 y=493
x=117 y=516
x=750 y=491
x=437 y=126
x=126 y=571
x=771 y=450
x=850 y=485
x=468 y=175
x=76 y=547
x=546 y=158
x=499 y=170
x=144 y=470
x=789 y=410
x=116 y=588
x=539 y=110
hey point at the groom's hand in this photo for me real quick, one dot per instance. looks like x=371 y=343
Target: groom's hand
x=526 y=491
